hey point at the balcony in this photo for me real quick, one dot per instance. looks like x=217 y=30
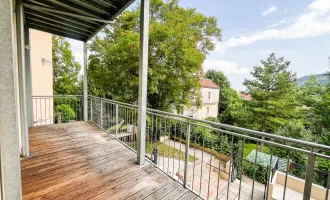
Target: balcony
x=186 y=158
x=78 y=160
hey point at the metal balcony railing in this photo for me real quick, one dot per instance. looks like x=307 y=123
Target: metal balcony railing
x=212 y=159
x=57 y=109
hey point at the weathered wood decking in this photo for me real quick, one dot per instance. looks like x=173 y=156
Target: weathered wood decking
x=79 y=161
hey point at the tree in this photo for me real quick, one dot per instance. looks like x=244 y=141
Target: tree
x=273 y=92
x=65 y=69
x=179 y=40
x=311 y=92
x=310 y=97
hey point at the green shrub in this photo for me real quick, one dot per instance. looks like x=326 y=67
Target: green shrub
x=67 y=113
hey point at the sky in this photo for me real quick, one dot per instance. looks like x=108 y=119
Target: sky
x=298 y=30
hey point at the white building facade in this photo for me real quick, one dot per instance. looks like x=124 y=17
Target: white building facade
x=210 y=100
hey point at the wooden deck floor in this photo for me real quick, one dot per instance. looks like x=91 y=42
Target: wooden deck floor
x=79 y=161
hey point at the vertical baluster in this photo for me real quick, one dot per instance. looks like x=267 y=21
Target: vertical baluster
x=254 y=169
x=36 y=115
x=286 y=175
x=50 y=114
x=209 y=183
x=186 y=154
x=230 y=166
x=40 y=110
x=161 y=127
x=91 y=109
x=221 y=138
x=200 y=181
x=174 y=140
x=75 y=100
x=101 y=114
x=117 y=121
x=180 y=149
x=241 y=170
x=194 y=165
x=267 y=178
x=168 y=148
x=45 y=111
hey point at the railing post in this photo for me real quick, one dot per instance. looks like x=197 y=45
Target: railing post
x=186 y=156
x=91 y=109
x=101 y=113
x=117 y=123
x=309 y=176
x=85 y=84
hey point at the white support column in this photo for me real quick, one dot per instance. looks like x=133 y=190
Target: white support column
x=143 y=77
x=85 y=84
x=28 y=78
x=10 y=172
x=22 y=80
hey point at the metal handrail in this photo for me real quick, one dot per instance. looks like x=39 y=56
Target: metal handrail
x=233 y=128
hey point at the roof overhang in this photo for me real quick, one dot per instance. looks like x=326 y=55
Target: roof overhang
x=76 y=19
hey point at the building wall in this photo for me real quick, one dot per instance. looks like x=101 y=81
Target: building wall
x=212 y=93
x=209 y=107
x=42 y=75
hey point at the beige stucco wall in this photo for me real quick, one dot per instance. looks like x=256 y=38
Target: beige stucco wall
x=209 y=107
x=42 y=76
x=297 y=184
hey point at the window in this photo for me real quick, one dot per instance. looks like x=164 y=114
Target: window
x=209 y=95
x=207 y=110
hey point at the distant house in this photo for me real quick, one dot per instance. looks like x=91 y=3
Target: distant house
x=245 y=96
x=210 y=100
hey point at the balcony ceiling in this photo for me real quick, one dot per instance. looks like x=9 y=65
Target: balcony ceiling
x=76 y=19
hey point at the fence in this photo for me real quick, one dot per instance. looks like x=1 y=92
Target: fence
x=57 y=109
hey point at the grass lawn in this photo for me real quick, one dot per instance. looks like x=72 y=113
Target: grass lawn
x=167 y=151
x=251 y=146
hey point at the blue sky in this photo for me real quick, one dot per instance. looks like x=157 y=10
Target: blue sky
x=299 y=30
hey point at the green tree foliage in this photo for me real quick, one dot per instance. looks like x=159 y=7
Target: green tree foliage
x=311 y=98
x=310 y=94
x=273 y=91
x=65 y=69
x=179 y=40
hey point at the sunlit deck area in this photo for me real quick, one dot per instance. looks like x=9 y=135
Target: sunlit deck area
x=78 y=160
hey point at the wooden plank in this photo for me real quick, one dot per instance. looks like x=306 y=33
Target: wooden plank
x=112 y=188
x=150 y=189
x=58 y=188
x=160 y=193
x=188 y=196
x=36 y=180
x=72 y=191
x=175 y=194
x=50 y=168
x=158 y=178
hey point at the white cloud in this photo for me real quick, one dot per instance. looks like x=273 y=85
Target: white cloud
x=269 y=10
x=227 y=67
x=314 y=22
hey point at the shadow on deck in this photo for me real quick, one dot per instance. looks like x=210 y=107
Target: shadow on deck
x=78 y=160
